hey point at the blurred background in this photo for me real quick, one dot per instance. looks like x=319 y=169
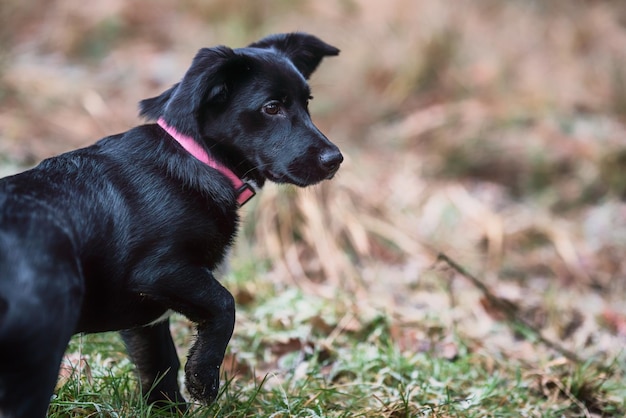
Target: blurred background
x=492 y=131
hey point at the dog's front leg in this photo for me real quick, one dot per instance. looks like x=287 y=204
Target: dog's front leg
x=215 y=328
x=196 y=294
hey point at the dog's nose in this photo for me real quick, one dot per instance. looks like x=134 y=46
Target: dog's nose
x=330 y=160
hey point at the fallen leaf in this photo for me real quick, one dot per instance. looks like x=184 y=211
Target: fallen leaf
x=291 y=345
x=614 y=321
x=71 y=366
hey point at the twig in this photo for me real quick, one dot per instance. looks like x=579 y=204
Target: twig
x=509 y=310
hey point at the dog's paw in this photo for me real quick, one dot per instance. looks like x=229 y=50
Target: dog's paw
x=203 y=385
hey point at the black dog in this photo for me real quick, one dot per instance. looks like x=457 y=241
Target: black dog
x=116 y=235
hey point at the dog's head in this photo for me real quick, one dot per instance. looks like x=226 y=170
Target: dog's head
x=249 y=108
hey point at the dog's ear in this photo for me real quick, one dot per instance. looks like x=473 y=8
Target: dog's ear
x=204 y=82
x=304 y=50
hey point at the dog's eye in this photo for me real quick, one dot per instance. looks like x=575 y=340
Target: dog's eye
x=272 y=108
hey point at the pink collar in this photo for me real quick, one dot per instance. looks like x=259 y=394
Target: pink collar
x=244 y=191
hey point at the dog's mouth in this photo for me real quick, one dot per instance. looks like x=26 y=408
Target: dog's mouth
x=284 y=178
x=302 y=179
x=273 y=176
x=306 y=170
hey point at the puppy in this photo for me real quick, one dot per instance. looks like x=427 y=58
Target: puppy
x=116 y=235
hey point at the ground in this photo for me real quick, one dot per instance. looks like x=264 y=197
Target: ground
x=468 y=259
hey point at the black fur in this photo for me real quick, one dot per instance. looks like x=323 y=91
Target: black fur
x=112 y=236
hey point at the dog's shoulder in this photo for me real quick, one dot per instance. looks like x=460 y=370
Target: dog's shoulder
x=148 y=155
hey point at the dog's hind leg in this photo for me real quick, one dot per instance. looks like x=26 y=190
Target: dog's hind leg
x=40 y=299
x=152 y=350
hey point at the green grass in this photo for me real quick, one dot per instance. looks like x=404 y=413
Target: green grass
x=365 y=380
x=289 y=358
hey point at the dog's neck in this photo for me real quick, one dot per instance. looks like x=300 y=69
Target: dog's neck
x=245 y=190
